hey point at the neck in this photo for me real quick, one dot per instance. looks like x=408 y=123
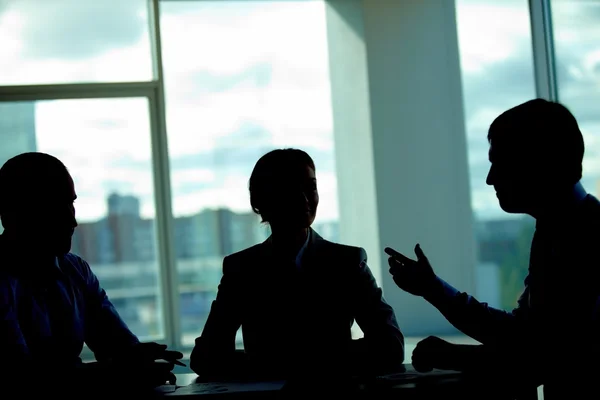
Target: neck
x=17 y=243
x=288 y=241
x=557 y=202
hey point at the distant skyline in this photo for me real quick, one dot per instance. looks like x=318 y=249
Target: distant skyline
x=235 y=90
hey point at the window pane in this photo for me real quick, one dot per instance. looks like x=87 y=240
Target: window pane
x=241 y=78
x=497 y=72
x=74 y=41
x=577 y=48
x=105 y=144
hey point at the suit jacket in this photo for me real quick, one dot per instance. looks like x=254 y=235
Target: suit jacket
x=293 y=316
x=557 y=318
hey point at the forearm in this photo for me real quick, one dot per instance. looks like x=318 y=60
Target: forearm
x=477 y=320
x=383 y=354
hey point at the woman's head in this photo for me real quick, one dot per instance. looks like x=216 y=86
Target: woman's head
x=283 y=189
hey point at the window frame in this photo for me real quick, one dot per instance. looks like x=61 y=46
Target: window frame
x=154 y=91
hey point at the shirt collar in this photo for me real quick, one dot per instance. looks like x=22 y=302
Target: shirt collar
x=14 y=261
x=579 y=192
x=57 y=265
x=302 y=250
x=579 y=195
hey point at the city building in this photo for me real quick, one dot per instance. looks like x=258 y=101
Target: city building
x=17 y=129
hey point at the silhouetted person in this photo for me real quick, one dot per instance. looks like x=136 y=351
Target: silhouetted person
x=536 y=153
x=51 y=303
x=296 y=295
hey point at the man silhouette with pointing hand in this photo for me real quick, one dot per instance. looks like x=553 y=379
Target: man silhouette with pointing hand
x=536 y=152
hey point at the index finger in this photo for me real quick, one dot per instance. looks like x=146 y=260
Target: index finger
x=172 y=355
x=393 y=253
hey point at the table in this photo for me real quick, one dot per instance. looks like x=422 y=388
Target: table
x=407 y=386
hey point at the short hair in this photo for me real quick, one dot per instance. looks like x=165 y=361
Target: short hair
x=25 y=175
x=272 y=169
x=546 y=132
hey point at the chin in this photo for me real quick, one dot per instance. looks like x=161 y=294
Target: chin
x=63 y=249
x=510 y=207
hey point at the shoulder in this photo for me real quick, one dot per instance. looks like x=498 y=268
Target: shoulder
x=346 y=251
x=346 y=254
x=8 y=284
x=75 y=267
x=234 y=262
x=588 y=218
x=591 y=205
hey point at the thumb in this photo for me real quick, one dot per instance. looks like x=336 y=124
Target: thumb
x=420 y=255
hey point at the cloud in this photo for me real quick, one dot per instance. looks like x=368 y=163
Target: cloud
x=498 y=73
x=247 y=77
x=498 y=82
x=222 y=113
x=65 y=41
x=485 y=36
x=75 y=29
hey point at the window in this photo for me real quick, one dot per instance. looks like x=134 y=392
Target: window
x=105 y=144
x=74 y=41
x=577 y=48
x=263 y=84
x=162 y=175
x=497 y=72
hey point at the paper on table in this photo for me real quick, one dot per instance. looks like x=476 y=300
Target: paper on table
x=230 y=387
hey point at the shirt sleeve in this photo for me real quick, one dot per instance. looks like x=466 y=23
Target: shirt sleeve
x=383 y=341
x=478 y=320
x=216 y=346
x=106 y=334
x=13 y=345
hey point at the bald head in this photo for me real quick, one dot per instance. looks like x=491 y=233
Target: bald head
x=36 y=200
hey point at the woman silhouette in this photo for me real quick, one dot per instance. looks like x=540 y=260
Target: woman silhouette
x=296 y=295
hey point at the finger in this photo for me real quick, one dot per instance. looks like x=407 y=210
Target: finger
x=426 y=343
x=420 y=361
x=423 y=368
x=394 y=264
x=153 y=345
x=172 y=379
x=152 y=349
x=397 y=256
x=166 y=366
x=419 y=253
x=172 y=355
x=395 y=267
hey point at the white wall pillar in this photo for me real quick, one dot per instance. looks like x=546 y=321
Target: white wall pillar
x=400 y=142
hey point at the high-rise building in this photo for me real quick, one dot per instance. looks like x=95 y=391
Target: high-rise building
x=17 y=129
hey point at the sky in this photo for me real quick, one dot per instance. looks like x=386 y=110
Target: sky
x=497 y=74
x=243 y=77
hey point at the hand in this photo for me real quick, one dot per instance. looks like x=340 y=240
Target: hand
x=414 y=277
x=150 y=352
x=433 y=352
x=141 y=375
x=146 y=374
x=156 y=374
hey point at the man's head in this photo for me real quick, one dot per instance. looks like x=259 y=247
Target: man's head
x=283 y=189
x=36 y=202
x=536 y=151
